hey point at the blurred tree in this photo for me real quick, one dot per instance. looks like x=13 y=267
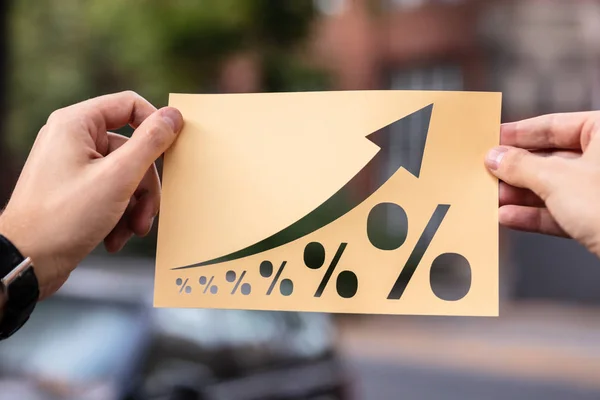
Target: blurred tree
x=65 y=51
x=69 y=50
x=5 y=176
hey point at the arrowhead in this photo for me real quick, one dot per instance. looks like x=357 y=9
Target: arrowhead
x=402 y=142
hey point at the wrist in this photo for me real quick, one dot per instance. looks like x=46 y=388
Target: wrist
x=47 y=261
x=15 y=234
x=10 y=231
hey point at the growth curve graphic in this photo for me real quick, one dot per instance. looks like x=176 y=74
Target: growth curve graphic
x=338 y=205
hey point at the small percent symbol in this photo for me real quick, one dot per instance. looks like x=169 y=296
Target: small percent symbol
x=286 y=287
x=231 y=277
x=183 y=285
x=346 y=282
x=208 y=284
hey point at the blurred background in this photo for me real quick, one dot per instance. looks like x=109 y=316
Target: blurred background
x=101 y=339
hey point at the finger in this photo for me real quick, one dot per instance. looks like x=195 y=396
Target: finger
x=568 y=154
x=121 y=233
x=512 y=195
x=522 y=169
x=111 y=111
x=103 y=113
x=115 y=141
x=147 y=194
x=529 y=219
x=145 y=210
x=523 y=197
x=592 y=145
x=560 y=131
x=149 y=141
x=118 y=237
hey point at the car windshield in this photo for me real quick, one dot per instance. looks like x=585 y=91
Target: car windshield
x=300 y=334
x=72 y=340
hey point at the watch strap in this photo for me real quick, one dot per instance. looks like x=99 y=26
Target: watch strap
x=22 y=293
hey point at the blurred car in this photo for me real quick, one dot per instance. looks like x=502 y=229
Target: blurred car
x=100 y=338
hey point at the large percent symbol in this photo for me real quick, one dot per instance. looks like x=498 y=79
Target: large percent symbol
x=442 y=261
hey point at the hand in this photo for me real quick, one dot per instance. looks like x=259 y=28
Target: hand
x=82 y=185
x=550 y=172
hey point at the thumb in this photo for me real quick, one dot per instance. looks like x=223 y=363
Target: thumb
x=520 y=168
x=150 y=140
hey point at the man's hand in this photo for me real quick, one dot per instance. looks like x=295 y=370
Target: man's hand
x=82 y=184
x=550 y=172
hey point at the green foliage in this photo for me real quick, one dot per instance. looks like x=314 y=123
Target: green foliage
x=69 y=50
x=64 y=51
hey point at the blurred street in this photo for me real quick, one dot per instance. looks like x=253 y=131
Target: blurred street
x=552 y=356
x=379 y=379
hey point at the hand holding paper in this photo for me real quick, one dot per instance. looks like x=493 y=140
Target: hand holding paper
x=554 y=189
x=82 y=184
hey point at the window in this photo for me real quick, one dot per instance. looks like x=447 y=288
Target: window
x=330 y=7
x=410 y=4
x=439 y=77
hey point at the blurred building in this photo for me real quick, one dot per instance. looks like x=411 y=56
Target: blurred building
x=543 y=55
x=400 y=44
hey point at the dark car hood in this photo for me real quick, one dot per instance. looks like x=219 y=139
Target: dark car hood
x=237 y=341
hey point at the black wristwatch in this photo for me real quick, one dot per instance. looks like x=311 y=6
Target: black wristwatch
x=18 y=287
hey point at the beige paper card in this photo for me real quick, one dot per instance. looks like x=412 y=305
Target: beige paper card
x=350 y=202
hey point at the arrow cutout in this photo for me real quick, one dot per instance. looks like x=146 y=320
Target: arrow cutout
x=338 y=205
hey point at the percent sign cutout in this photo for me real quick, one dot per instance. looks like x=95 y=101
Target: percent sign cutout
x=346 y=282
x=207 y=283
x=183 y=285
x=231 y=277
x=286 y=287
x=441 y=262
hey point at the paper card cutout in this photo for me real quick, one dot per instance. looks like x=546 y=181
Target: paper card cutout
x=346 y=202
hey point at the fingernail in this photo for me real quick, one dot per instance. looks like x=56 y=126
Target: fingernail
x=494 y=157
x=173 y=118
x=150 y=225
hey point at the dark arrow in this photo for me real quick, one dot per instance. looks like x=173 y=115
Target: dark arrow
x=409 y=155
